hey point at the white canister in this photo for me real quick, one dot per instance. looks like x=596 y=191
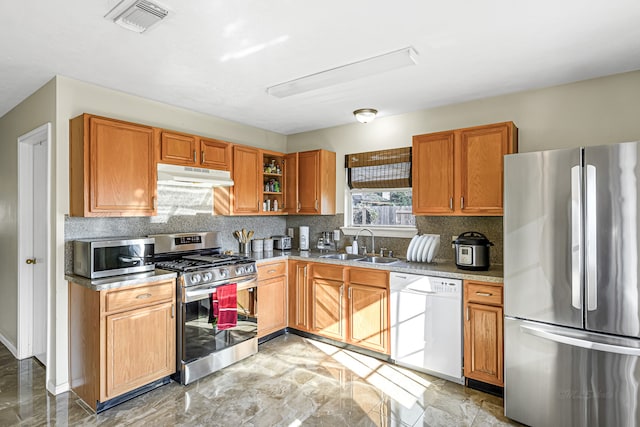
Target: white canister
x=268 y=245
x=304 y=238
x=257 y=245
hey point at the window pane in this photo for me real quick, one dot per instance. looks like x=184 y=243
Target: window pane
x=391 y=207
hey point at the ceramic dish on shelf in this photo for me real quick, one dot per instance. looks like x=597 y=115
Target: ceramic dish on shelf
x=427 y=247
x=420 y=247
x=411 y=245
x=435 y=245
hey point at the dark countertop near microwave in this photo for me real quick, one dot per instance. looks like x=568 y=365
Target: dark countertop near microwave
x=115 y=282
x=448 y=269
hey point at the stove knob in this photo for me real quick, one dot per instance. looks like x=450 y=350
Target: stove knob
x=250 y=268
x=195 y=278
x=207 y=276
x=224 y=273
x=240 y=270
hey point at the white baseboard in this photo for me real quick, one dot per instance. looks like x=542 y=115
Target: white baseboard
x=12 y=348
x=57 y=389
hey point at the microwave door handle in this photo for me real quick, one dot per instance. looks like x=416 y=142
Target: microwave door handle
x=124 y=258
x=576 y=238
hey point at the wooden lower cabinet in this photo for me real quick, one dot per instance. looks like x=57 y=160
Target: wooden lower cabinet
x=298 y=295
x=368 y=309
x=139 y=347
x=272 y=298
x=483 y=332
x=349 y=305
x=327 y=301
x=120 y=339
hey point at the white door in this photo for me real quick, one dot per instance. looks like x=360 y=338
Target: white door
x=39 y=245
x=33 y=243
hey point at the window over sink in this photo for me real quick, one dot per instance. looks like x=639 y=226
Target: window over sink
x=378 y=193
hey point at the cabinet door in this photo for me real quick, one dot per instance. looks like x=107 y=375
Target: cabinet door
x=247 y=163
x=433 y=173
x=140 y=348
x=298 y=296
x=122 y=169
x=290 y=180
x=215 y=154
x=482 y=150
x=327 y=308
x=483 y=343
x=308 y=182
x=368 y=317
x=178 y=149
x=272 y=308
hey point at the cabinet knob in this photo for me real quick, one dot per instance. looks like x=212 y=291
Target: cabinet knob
x=31 y=261
x=202 y=156
x=462 y=202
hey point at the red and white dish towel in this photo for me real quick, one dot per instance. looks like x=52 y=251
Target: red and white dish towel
x=224 y=304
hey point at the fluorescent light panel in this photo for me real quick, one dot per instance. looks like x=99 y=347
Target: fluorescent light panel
x=366 y=67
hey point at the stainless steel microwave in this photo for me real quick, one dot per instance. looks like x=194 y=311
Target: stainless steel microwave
x=97 y=258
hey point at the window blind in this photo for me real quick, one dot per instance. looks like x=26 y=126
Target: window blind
x=379 y=169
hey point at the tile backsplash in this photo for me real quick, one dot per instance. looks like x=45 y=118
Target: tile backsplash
x=266 y=226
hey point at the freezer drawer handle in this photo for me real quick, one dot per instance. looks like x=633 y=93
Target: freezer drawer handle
x=578 y=342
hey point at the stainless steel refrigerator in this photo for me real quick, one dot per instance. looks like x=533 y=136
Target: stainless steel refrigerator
x=572 y=297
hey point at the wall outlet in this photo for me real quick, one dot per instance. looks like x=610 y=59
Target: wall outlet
x=452 y=239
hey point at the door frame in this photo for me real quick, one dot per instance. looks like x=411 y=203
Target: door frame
x=26 y=142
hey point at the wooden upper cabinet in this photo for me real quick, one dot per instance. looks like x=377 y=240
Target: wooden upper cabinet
x=290 y=182
x=317 y=182
x=215 y=154
x=191 y=150
x=178 y=148
x=460 y=172
x=112 y=168
x=433 y=173
x=247 y=180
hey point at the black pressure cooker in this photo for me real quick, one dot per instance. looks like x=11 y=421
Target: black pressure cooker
x=472 y=251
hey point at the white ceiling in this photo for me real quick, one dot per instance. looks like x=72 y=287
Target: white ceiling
x=218 y=57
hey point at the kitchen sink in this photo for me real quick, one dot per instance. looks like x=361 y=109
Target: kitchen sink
x=378 y=259
x=343 y=257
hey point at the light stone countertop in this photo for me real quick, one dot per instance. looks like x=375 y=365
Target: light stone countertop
x=438 y=269
x=115 y=282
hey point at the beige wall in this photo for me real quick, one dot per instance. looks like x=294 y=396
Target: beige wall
x=592 y=112
x=36 y=110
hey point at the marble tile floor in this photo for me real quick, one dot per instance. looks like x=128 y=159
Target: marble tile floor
x=291 y=382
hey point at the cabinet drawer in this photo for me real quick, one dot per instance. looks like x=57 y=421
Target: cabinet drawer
x=326 y=271
x=124 y=299
x=268 y=271
x=483 y=293
x=369 y=277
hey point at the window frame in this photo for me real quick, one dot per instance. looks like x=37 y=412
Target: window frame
x=402 y=231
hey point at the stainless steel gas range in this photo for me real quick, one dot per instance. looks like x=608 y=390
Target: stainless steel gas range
x=204 y=344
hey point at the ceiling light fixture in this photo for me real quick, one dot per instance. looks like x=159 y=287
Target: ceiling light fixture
x=138 y=16
x=365 y=115
x=366 y=67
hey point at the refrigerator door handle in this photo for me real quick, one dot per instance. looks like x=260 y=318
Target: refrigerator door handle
x=590 y=231
x=580 y=342
x=576 y=238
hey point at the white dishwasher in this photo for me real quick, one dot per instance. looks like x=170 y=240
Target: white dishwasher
x=426 y=324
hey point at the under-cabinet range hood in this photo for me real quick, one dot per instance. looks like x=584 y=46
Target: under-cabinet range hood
x=188 y=176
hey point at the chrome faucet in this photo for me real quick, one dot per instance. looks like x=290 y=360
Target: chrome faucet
x=373 y=241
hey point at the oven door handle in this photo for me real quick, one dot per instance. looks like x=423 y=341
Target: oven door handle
x=201 y=293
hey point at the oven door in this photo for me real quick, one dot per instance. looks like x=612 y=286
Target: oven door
x=199 y=335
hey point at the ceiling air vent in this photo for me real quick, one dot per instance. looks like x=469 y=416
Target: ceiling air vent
x=138 y=16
